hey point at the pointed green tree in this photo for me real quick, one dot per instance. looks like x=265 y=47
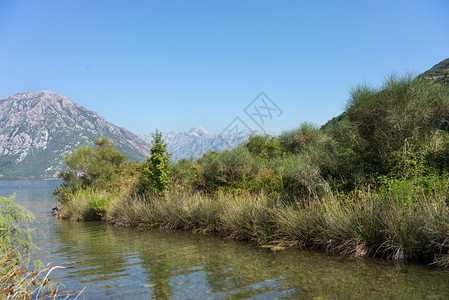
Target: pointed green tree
x=154 y=174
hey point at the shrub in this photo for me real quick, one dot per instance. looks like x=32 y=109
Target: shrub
x=185 y=173
x=88 y=167
x=297 y=140
x=271 y=177
x=264 y=146
x=99 y=205
x=87 y=205
x=16 y=281
x=405 y=112
x=230 y=168
x=436 y=158
x=342 y=166
x=302 y=179
x=154 y=172
x=13 y=231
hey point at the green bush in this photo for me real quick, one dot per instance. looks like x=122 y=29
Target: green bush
x=154 y=172
x=96 y=168
x=271 y=177
x=99 y=205
x=16 y=280
x=230 y=169
x=405 y=113
x=185 y=173
x=302 y=179
x=264 y=146
x=297 y=140
x=343 y=165
x=436 y=158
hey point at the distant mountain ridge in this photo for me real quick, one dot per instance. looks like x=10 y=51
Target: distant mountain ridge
x=37 y=128
x=197 y=141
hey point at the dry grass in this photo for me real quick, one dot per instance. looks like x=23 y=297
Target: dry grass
x=364 y=223
x=17 y=282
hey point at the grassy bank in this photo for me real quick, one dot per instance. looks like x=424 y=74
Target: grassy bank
x=372 y=182
x=413 y=227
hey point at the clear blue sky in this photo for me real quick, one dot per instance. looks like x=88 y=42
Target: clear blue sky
x=174 y=65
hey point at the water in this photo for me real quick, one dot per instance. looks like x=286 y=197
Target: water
x=119 y=263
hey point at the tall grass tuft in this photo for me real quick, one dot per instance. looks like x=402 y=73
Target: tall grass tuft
x=88 y=204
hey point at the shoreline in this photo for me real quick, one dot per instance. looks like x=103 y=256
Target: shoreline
x=327 y=225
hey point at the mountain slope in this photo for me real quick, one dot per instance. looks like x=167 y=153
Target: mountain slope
x=37 y=128
x=197 y=141
x=436 y=71
x=439 y=73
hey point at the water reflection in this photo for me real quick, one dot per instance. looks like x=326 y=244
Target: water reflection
x=126 y=262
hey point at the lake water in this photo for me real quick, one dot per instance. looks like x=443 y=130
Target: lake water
x=127 y=263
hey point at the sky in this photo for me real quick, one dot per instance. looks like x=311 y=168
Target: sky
x=174 y=65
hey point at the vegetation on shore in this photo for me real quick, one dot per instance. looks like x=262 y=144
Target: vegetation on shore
x=372 y=182
x=16 y=280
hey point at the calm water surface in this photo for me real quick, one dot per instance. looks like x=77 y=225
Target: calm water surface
x=120 y=263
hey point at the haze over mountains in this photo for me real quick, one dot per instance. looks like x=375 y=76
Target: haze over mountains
x=197 y=141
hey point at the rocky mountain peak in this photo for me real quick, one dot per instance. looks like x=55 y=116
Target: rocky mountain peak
x=36 y=107
x=37 y=128
x=199 y=131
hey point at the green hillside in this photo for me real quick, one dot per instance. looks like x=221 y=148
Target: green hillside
x=439 y=73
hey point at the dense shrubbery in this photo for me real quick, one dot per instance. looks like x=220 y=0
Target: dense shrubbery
x=403 y=116
x=266 y=147
x=231 y=169
x=372 y=181
x=99 y=168
x=106 y=170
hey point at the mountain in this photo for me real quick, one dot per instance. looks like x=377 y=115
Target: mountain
x=197 y=141
x=437 y=71
x=38 y=128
